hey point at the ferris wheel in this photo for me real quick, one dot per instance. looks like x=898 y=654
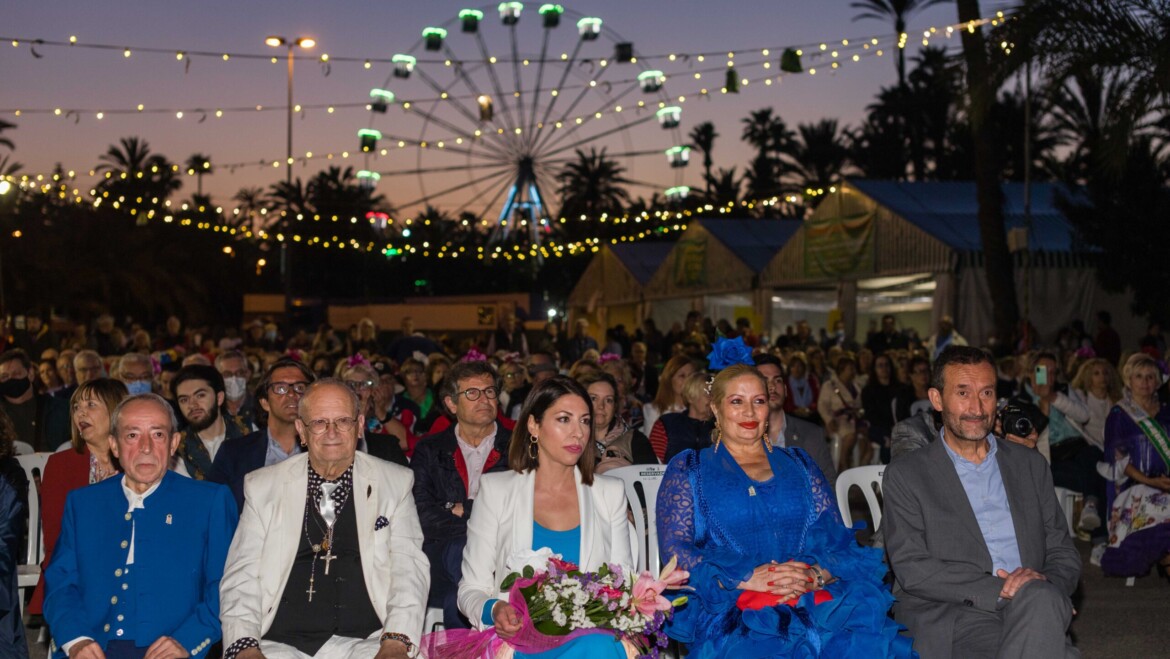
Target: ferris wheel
x=497 y=100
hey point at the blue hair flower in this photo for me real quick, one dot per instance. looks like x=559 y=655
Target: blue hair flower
x=728 y=352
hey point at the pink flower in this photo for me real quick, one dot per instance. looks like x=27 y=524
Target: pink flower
x=563 y=566
x=647 y=597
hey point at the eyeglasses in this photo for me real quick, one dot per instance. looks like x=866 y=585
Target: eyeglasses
x=361 y=385
x=341 y=425
x=283 y=388
x=512 y=375
x=474 y=394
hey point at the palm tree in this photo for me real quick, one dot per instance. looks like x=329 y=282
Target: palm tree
x=592 y=185
x=4 y=141
x=251 y=202
x=199 y=165
x=725 y=187
x=703 y=138
x=135 y=174
x=898 y=10
x=818 y=156
x=981 y=94
x=289 y=198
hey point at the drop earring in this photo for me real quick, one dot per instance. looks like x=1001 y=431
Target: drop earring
x=532 y=440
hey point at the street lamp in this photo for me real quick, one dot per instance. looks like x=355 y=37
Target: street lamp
x=306 y=43
x=277 y=42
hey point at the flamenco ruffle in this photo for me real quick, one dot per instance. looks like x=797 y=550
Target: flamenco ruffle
x=853 y=624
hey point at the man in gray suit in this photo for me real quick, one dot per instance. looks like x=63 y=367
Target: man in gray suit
x=790 y=432
x=983 y=561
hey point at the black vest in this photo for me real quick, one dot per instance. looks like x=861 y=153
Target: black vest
x=341 y=605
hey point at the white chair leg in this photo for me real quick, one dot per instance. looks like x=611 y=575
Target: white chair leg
x=1129 y=582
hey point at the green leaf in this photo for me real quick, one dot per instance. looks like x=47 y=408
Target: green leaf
x=508 y=581
x=528 y=572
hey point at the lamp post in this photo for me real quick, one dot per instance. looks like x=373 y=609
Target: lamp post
x=306 y=43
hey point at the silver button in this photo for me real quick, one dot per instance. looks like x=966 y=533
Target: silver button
x=118 y=572
x=125 y=544
x=125 y=586
x=114 y=599
x=127 y=517
x=106 y=628
x=119 y=632
x=121 y=617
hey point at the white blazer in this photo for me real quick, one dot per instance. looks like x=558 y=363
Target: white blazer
x=501 y=523
x=397 y=573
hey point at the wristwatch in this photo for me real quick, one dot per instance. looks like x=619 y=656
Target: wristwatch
x=820 y=576
x=411 y=650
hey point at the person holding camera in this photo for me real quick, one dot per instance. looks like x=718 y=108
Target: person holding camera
x=1060 y=435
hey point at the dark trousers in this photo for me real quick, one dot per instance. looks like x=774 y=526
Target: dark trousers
x=124 y=650
x=446 y=571
x=1078 y=472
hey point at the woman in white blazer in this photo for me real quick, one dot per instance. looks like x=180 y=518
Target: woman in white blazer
x=550 y=498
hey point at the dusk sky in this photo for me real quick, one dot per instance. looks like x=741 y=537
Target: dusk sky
x=94 y=80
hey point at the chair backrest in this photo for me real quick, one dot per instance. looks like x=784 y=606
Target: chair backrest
x=64 y=447
x=869 y=479
x=642 y=483
x=34 y=468
x=22 y=448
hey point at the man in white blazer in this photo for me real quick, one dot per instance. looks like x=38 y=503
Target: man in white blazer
x=328 y=560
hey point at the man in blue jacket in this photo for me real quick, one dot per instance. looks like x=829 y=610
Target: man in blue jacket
x=137 y=567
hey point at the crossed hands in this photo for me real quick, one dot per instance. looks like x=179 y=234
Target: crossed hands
x=1014 y=581
x=790 y=579
x=164 y=648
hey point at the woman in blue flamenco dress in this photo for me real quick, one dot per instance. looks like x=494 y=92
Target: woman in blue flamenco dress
x=775 y=572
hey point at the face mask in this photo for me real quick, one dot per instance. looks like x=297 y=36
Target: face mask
x=271 y=336
x=138 y=387
x=235 y=387
x=15 y=387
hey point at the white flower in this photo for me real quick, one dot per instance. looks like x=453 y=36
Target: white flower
x=536 y=559
x=559 y=617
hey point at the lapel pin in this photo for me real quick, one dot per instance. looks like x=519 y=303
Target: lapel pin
x=168 y=519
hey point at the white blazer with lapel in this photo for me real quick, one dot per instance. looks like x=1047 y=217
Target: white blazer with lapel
x=397 y=573
x=501 y=523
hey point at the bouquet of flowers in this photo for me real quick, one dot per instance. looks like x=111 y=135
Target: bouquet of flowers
x=558 y=602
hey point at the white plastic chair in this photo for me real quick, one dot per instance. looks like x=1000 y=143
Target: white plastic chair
x=869 y=479
x=433 y=620
x=29 y=573
x=642 y=482
x=22 y=448
x=1068 y=501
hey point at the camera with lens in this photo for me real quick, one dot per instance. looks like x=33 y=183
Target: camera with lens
x=1021 y=418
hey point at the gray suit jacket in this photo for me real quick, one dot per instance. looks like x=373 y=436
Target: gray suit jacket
x=799 y=433
x=936 y=549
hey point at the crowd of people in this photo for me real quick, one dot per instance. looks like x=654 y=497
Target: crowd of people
x=259 y=496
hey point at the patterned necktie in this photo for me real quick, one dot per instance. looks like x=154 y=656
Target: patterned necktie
x=326 y=506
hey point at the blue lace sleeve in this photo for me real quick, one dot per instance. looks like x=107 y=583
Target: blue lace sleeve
x=676 y=514
x=829 y=542
x=716 y=571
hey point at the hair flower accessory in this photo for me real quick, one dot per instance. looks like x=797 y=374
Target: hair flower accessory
x=357 y=360
x=474 y=355
x=729 y=352
x=608 y=357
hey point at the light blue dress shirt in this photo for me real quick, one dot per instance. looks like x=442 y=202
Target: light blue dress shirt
x=983 y=484
x=275 y=454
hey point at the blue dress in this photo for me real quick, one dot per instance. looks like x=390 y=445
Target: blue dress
x=721 y=525
x=593 y=646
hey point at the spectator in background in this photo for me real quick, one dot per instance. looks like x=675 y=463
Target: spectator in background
x=40 y=420
x=888 y=338
x=786 y=431
x=1097 y=387
x=655 y=342
x=87 y=365
x=743 y=328
x=417 y=390
x=383 y=439
x=1153 y=342
x=618 y=444
x=238 y=403
x=513 y=378
x=11 y=525
x=172 y=337
x=877 y=402
x=509 y=337
x=804 y=390
x=199 y=391
x=551 y=340
x=36 y=337
x=136 y=371
x=945 y=336
x=690 y=429
x=65 y=370
x=579 y=343
x=50 y=379
x=669 y=397
x=1107 y=343
x=644 y=377
x=367 y=339
x=914 y=398
x=840 y=408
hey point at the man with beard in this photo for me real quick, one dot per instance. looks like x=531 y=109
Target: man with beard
x=788 y=431
x=199 y=390
x=982 y=557
x=278 y=393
